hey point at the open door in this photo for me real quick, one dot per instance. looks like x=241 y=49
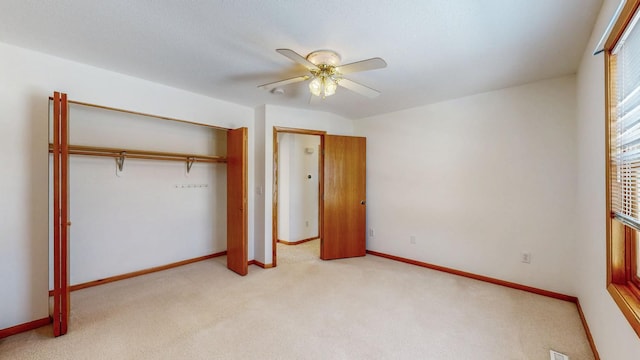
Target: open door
x=60 y=312
x=237 y=256
x=344 y=191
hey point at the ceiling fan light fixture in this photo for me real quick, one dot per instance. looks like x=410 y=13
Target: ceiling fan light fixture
x=326 y=73
x=323 y=84
x=315 y=86
x=330 y=86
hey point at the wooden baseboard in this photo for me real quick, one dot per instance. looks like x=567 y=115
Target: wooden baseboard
x=264 y=266
x=141 y=272
x=512 y=285
x=592 y=343
x=297 y=242
x=491 y=280
x=24 y=327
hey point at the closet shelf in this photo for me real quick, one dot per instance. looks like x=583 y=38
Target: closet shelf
x=140 y=154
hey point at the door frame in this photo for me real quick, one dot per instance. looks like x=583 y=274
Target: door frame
x=274 y=208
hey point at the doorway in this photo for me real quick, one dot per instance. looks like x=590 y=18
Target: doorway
x=297 y=183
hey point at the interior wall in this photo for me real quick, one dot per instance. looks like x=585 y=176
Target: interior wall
x=284 y=177
x=304 y=187
x=270 y=116
x=477 y=181
x=298 y=186
x=614 y=337
x=27 y=79
x=259 y=191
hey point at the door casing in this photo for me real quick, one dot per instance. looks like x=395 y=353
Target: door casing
x=274 y=209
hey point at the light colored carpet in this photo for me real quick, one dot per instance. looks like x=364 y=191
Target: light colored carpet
x=361 y=308
x=292 y=254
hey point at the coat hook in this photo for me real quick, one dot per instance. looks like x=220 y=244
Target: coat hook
x=120 y=160
x=190 y=162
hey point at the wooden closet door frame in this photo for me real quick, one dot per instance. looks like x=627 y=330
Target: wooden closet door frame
x=60 y=207
x=237 y=201
x=61 y=304
x=274 y=216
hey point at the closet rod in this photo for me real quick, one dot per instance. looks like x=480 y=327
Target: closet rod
x=142 y=114
x=140 y=154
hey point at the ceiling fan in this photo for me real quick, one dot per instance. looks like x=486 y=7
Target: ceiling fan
x=326 y=73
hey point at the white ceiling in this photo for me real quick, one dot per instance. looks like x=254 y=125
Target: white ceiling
x=435 y=49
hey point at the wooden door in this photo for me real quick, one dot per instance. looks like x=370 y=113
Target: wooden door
x=61 y=305
x=237 y=257
x=344 y=192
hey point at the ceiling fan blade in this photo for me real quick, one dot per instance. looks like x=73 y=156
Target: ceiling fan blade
x=298 y=58
x=358 y=88
x=284 y=82
x=364 y=65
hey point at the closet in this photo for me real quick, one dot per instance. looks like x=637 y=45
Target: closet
x=131 y=190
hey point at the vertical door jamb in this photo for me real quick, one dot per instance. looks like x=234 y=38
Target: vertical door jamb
x=61 y=222
x=56 y=216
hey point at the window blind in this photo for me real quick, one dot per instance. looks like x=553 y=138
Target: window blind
x=625 y=127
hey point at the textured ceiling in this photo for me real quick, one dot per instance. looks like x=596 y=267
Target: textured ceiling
x=435 y=49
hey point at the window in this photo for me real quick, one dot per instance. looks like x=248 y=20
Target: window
x=622 y=58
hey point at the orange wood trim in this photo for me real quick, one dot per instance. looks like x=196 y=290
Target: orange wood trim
x=237 y=203
x=278 y=129
x=592 y=343
x=619 y=239
x=298 y=242
x=274 y=198
x=139 y=154
x=24 y=327
x=144 y=114
x=491 y=280
x=56 y=214
x=626 y=300
x=607 y=140
x=624 y=19
x=321 y=195
x=65 y=305
x=141 y=272
x=258 y=263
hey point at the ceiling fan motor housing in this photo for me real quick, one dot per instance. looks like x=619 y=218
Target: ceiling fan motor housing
x=324 y=57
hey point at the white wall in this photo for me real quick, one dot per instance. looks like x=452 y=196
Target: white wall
x=297 y=193
x=304 y=189
x=614 y=337
x=27 y=79
x=477 y=181
x=270 y=116
x=284 y=176
x=259 y=193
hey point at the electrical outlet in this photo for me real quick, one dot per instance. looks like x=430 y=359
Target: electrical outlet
x=371 y=232
x=557 y=356
x=306 y=223
x=412 y=239
x=525 y=257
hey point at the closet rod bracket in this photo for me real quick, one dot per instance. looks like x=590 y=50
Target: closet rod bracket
x=190 y=161
x=120 y=160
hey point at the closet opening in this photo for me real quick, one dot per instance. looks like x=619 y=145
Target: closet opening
x=133 y=193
